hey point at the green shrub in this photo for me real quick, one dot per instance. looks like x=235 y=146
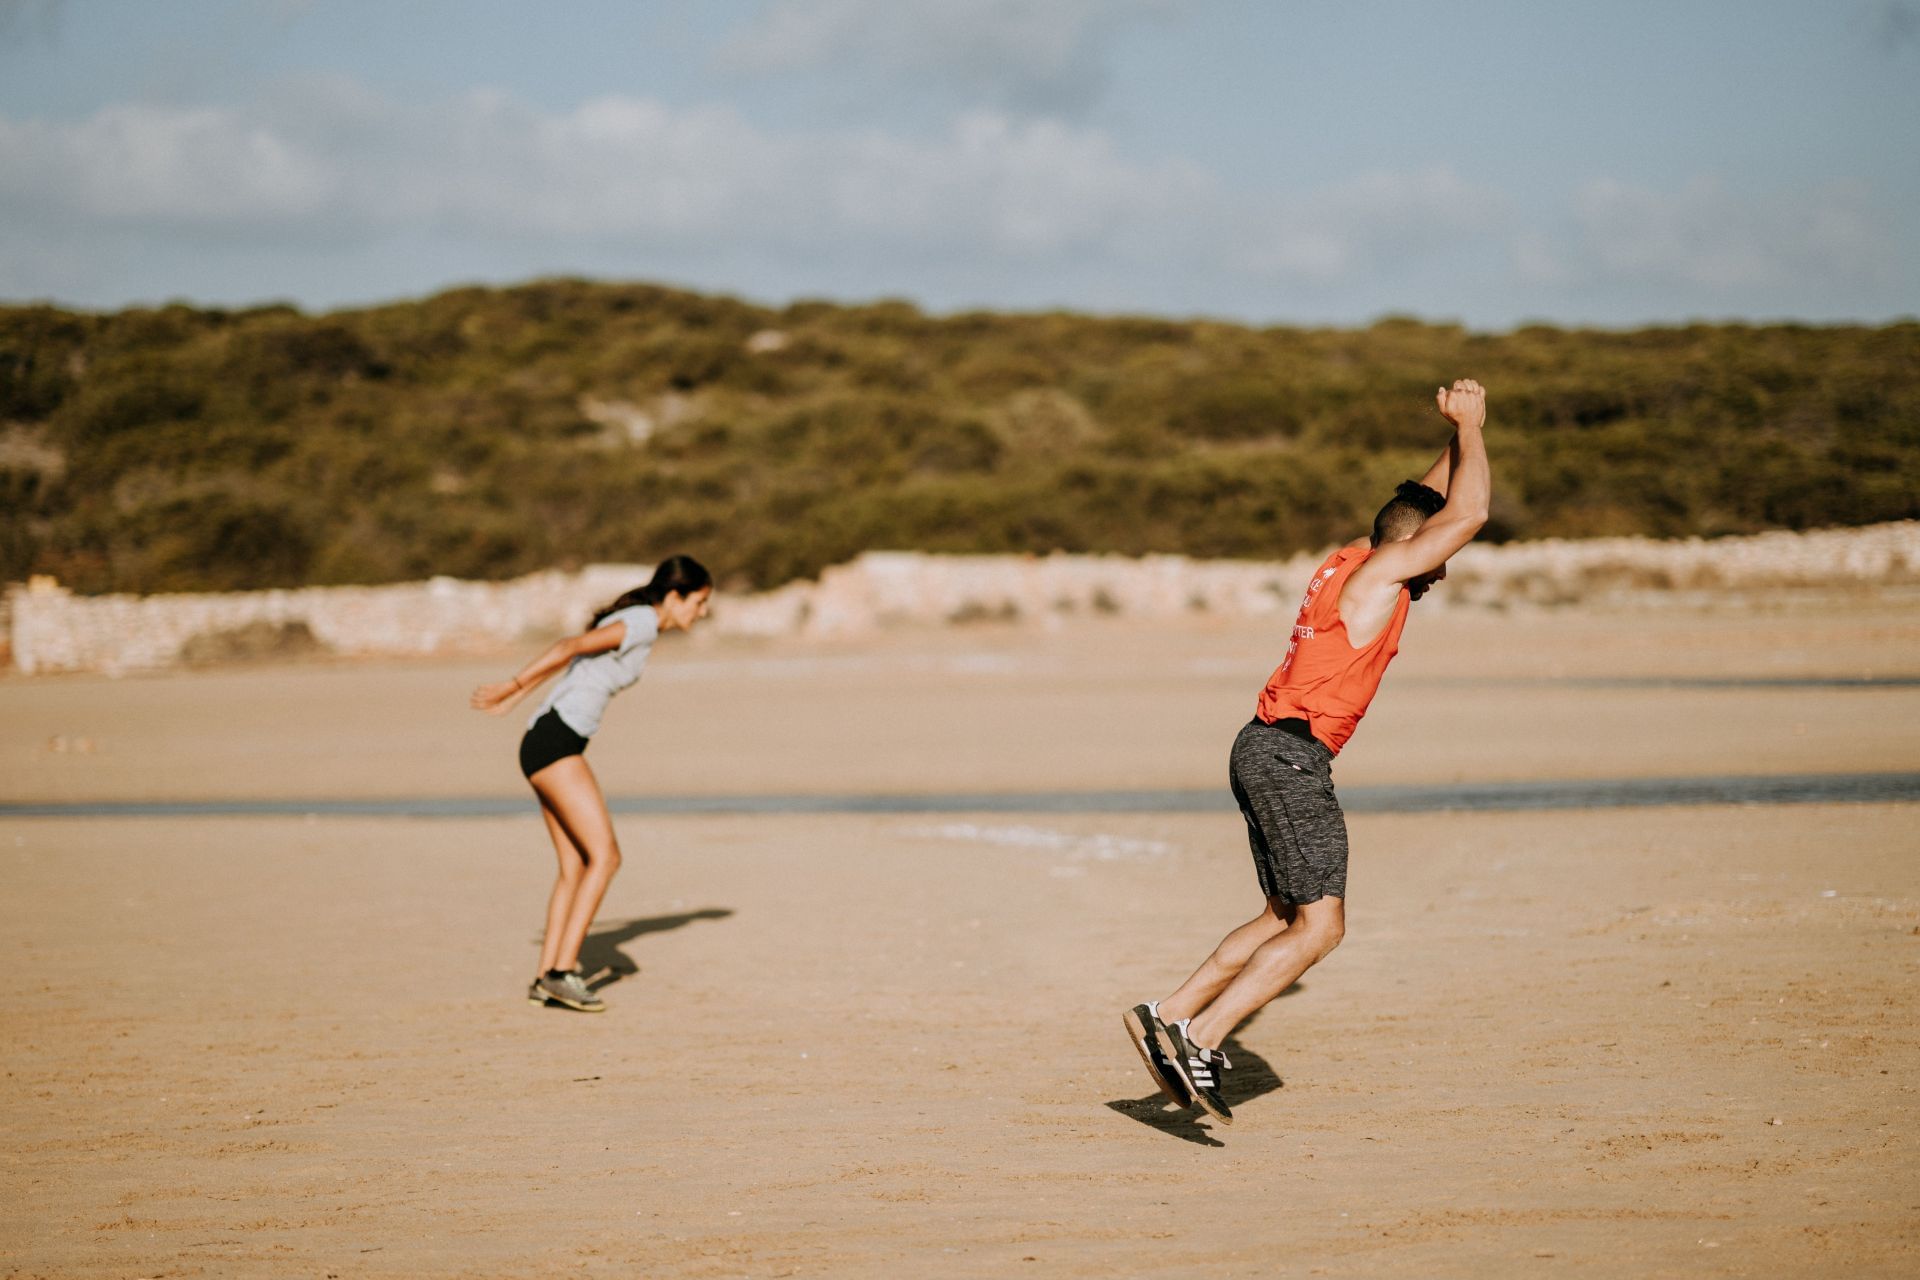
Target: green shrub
x=208 y=448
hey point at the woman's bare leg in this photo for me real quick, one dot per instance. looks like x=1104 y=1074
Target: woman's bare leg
x=573 y=868
x=571 y=793
x=1231 y=956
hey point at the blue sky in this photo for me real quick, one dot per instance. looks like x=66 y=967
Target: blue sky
x=1299 y=161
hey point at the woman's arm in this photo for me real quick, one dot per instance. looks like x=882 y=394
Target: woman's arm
x=496 y=699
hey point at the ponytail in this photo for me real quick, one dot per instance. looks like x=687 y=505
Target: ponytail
x=676 y=576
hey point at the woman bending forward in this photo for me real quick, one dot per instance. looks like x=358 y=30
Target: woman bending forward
x=598 y=664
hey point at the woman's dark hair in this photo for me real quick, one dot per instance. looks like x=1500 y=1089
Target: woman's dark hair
x=1406 y=511
x=676 y=576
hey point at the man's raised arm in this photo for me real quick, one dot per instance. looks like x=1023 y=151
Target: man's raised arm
x=1441 y=472
x=1468 y=486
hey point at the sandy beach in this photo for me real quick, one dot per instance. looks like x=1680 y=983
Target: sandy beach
x=1636 y=1042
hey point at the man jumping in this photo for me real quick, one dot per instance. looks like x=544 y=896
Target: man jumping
x=1282 y=764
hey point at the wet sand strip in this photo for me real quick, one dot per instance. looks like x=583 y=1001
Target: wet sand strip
x=1608 y=793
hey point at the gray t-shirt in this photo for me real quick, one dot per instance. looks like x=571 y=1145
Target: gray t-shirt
x=591 y=681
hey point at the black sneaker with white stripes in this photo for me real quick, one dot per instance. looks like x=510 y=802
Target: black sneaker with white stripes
x=1142 y=1021
x=1199 y=1069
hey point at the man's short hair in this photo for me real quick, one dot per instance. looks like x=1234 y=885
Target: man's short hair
x=1406 y=511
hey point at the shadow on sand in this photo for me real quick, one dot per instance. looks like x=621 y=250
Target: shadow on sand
x=601 y=958
x=1252 y=1076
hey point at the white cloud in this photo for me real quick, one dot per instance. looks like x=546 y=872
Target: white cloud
x=1374 y=219
x=1714 y=241
x=1020 y=53
x=194 y=165
x=330 y=182
x=334 y=162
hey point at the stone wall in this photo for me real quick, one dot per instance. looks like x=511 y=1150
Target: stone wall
x=1596 y=570
x=54 y=630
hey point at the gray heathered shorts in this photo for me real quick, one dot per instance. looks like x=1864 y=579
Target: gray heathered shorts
x=1284 y=784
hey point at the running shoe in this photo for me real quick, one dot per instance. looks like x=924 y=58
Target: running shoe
x=569 y=989
x=1199 y=1069
x=1141 y=1021
x=577 y=979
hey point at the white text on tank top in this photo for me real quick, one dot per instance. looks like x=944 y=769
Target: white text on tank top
x=1301 y=631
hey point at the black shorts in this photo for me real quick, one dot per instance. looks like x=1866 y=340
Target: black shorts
x=548 y=739
x=1298 y=834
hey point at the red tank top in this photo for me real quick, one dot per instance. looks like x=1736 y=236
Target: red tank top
x=1323 y=679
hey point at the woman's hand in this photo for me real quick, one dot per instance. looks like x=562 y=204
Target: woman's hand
x=494 y=699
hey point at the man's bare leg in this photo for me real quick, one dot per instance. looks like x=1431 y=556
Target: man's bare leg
x=1220 y=968
x=1275 y=965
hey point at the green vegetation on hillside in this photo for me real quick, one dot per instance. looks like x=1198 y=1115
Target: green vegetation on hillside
x=484 y=433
